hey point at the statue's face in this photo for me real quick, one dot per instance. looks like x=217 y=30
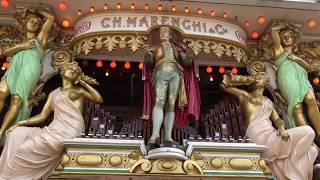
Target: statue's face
x=71 y=73
x=33 y=24
x=261 y=80
x=165 y=34
x=286 y=38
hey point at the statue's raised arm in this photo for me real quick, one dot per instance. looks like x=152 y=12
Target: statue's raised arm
x=293 y=147
x=32 y=152
x=25 y=66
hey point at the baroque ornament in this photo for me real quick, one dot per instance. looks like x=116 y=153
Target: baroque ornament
x=217 y=48
x=109 y=42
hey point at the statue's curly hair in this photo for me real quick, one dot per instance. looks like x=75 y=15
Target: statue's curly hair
x=85 y=78
x=266 y=40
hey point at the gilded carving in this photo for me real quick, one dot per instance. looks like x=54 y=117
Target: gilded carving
x=191 y=167
x=115 y=160
x=167 y=165
x=217 y=48
x=109 y=42
x=240 y=163
x=141 y=166
x=216 y=163
x=93 y=160
x=312 y=50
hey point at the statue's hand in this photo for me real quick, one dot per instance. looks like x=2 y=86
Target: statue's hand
x=29 y=44
x=227 y=78
x=283 y=134
x=12 y=128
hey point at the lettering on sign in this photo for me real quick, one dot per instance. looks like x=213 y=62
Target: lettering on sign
x=201 y=26
x=144 y=21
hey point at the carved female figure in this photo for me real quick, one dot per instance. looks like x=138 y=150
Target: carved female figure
x=290 y=153
x=31 y=152
x=292 y=77
x=25 y=68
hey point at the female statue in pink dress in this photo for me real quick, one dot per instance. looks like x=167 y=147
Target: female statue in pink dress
x=290 y=153
x=32 y=152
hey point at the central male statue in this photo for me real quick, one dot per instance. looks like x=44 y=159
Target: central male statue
x=170 y=71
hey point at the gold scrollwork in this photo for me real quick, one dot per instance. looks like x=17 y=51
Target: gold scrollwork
x=217 y=48
x=191 y=167
x=110 y=42
x=143 y=164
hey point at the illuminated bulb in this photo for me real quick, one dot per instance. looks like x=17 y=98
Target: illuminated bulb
x=261 y=20
x=141 y=66
x=107 y=73
x=312 y=23
x=255 y=34
x=225 y=15
x=99 y=63
x=209 y=69
x=173 y=8
x=113 y=64
x=212 y=13
x=199 y=11
x=211 y=78
x=79 y=13
x=234 y=70
x=127 y=65
x=65 y=23
x=105 y=7
x=92 y=9
x=146 y=7
x=316 y=81
x=118 y=6
x=186 y=10
x=160 y=7
x=246 y=23
x=62 y=5
x=5 y=3
x=5 y=66
x=222 y=70
x=132 y=6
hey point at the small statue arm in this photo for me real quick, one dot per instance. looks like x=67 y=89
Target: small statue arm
x=241 y=94
x=277 y=48
x=46 y=28
x=278 y=122
x=10 y=51
x=186 y=57
x=149 y=57
x=37 y=119
x=91 y=93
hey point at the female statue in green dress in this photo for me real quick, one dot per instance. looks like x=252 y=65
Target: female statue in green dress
x=25 y=67
x=292 y=77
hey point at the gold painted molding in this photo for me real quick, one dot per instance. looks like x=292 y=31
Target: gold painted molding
x=109 y=42
x=218 y=48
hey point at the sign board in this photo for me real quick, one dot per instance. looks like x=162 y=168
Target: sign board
x=135 y=21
